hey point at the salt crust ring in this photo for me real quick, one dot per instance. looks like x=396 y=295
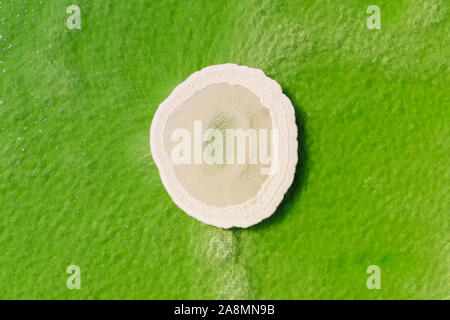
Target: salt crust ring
x=272 y=191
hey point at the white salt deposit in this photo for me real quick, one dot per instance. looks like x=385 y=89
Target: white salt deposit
x=190 y=145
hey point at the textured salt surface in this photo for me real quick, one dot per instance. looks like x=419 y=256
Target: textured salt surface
x=220 y=106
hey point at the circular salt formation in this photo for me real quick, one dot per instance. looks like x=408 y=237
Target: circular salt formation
x=225 y=143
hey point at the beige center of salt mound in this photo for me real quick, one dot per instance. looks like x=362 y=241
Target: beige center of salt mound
x=220 y=106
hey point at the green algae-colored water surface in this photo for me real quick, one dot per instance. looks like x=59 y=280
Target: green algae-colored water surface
x=78 y=185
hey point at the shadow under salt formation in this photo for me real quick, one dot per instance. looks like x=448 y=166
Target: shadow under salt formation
x=300 y=177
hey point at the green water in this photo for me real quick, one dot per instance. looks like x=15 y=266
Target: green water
x=78 y=184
